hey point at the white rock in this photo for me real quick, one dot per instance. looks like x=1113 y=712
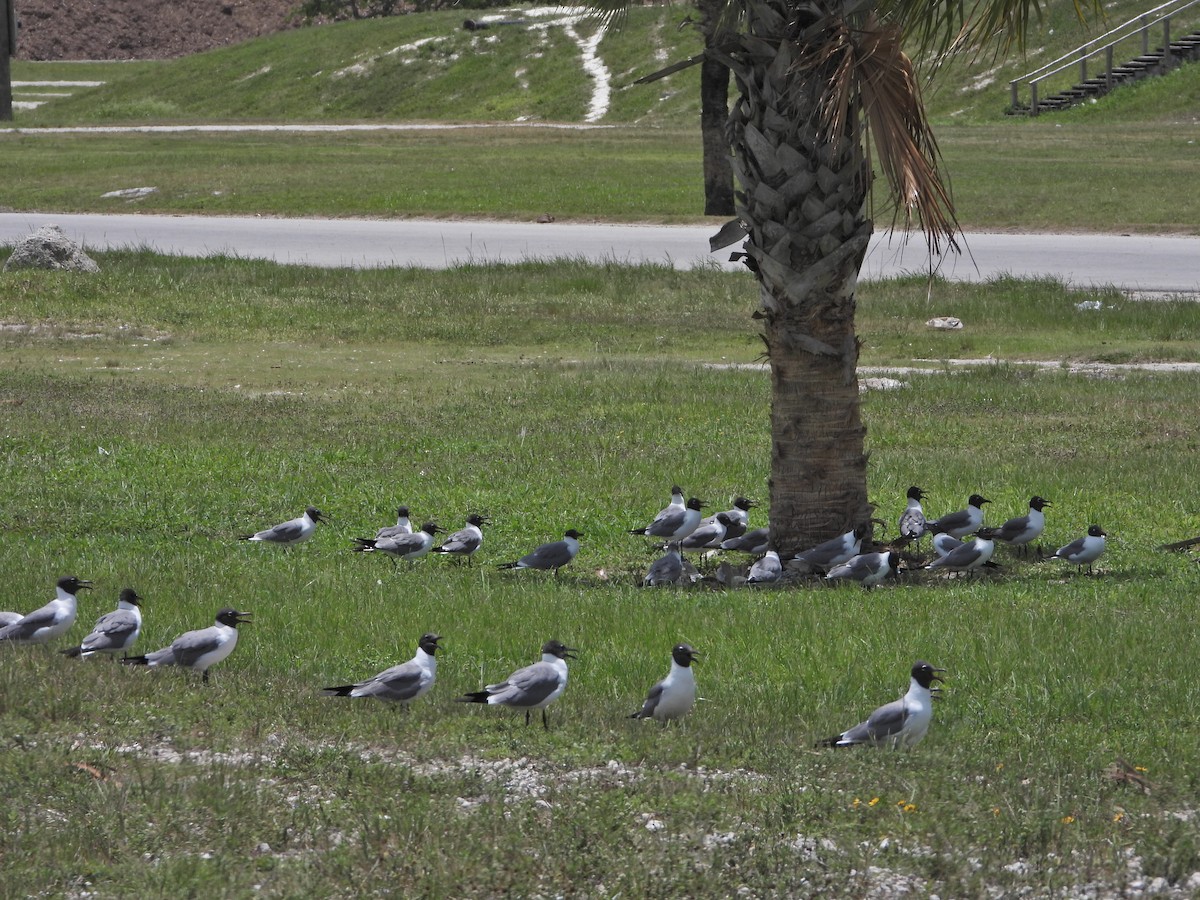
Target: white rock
x=129 y=193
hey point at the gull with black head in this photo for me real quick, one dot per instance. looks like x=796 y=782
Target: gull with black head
x=50 y=621
x=402 y=683
x=294 y=531
x=201 y=649
x=675 y=695
x=532 y=687
x=901 y=723
x=114 y=632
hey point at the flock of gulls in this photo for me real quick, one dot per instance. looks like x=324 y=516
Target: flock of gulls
x=680 y=526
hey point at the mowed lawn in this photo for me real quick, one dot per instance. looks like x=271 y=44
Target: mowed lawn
x=154 y=413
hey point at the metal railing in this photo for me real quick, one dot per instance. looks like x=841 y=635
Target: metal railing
x=1127 y=34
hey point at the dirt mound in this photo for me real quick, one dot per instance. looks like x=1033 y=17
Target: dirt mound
x=142 y=29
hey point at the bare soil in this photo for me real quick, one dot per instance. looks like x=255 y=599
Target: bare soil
x=142 y=29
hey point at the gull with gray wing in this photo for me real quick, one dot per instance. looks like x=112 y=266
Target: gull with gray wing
x=675 y=695
x=532 y=687
x=867 y=569
x=961 y=523
x=901 y=723
x=402 y=683
x=1080 y=552
x=293 y=531
x=466 y=540
x=1021 y=531
x=553 y=555
x=667 y=569
x=50 y=621
x=833 y=552
x=114 y=632
x=967 y=557
x=408 y=547
x=201 y=649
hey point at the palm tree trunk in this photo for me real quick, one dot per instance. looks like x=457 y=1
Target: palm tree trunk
x=714 y=116
x=803 y=201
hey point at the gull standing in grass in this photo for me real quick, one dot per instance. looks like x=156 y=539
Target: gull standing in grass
x=709 y=533
x=114 y=632
x=868 y=569
x=408 y=547
x=50 y=621
x=553 y=555
x=1021 y=531
x=466 y=540
x=201 y=649
x=403 y=683
x=293 y=531
x=530 y=688
x=767 y=570
x=973 y=554
x=739 y=518
x=833 y=552
x=912 y=520
x=667 y=569
x=961 y=523
x=944 y=543
x=1081 y=552
x=676 y=521
x=675 y=695
x=901 y=723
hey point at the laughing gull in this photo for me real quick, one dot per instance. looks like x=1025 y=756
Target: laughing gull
x=973 y=554
x=293 y=531
x=756 y=541
x=667 y=569
x=675 y=522
x=739 y=518
x=912 y=520
x=402 y=526
x=961 y=523
x=901 y=723
x=201 y=649
x=766 y=570
x=675 y=695
x=868 y=569
x=399 y=684
x=50 y=621
x=530 y=688
x=466 y=540
x=1081 y=552
x=1023 y=530
x=114 y=632
x=554 y=555
x=708 y=533
x=401 y=546
x=834 y=552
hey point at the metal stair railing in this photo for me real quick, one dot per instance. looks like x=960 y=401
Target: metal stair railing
x=1139 y=26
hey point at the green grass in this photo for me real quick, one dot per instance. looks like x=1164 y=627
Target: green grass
x=226 y=394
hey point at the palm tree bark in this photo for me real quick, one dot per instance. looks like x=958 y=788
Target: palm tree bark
x=803 y=200
x=714 y=115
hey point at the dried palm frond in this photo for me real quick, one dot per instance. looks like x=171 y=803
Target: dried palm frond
x=866 y=67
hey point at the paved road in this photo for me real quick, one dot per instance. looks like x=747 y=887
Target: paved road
x=1126 y=261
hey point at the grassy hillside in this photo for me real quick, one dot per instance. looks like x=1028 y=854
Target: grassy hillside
x=428 y=68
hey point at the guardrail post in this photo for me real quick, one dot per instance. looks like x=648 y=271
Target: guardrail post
x=1167 y=42
x=1033 y=98
x=1108 y=67
x=1145 y=35
x=1083 y=67
x=1012 y=91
